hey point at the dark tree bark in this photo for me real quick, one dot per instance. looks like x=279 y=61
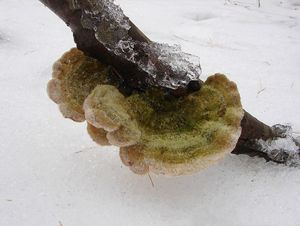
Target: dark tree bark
x=133 y=77
x=253 y=129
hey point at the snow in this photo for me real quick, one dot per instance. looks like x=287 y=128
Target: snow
x=51 y=173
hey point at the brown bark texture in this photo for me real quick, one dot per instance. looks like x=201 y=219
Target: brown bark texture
x=252 y=128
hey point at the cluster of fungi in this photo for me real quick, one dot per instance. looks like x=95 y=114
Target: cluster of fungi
x=159 y=127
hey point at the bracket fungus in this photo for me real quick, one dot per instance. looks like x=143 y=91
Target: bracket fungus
x=74 y=77
x=155 y=131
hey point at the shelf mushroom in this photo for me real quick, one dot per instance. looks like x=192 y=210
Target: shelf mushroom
x=155 y=131
x=74 y=76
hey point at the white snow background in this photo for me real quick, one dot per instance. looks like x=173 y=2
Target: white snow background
x=52 y=174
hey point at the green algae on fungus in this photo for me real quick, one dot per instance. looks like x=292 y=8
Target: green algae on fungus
x=172 y=136
x=155 y=132
x=74 y=77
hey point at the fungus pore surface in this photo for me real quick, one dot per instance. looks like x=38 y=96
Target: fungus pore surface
x=155 y=132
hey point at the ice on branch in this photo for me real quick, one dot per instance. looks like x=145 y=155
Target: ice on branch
x=112 y=30
x=283 y=148
x=186 y=66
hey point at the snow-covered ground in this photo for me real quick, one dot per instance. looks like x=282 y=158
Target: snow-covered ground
x=52 y=174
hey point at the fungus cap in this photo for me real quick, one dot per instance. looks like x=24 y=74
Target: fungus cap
x=155 y=132
x=74 y=77
x=108 y=109
x=169 y=136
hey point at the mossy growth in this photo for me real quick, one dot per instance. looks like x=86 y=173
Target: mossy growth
x=157 y=132
x=74 y=78
x=169 y=135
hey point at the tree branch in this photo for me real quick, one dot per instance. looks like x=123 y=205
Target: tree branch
x=100 y=36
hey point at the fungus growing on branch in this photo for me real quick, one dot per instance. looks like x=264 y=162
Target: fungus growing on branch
x=147 y=98
x=183 y=136
x=156 y=132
